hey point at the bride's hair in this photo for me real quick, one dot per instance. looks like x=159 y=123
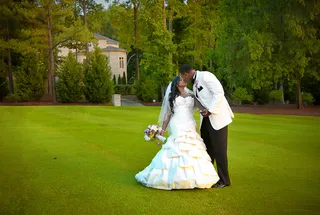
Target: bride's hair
x=174 y=92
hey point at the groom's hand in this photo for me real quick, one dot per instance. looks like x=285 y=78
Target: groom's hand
x=205 y=113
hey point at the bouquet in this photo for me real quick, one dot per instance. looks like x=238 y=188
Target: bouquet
x=153 y=132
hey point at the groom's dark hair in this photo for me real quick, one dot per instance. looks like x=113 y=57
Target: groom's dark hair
x=185 y=68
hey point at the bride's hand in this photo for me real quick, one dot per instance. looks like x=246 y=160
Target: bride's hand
x=161 y=132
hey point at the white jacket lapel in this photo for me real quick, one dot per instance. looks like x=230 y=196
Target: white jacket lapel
x=196 y=83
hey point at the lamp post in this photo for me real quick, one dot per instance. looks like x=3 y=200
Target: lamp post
x=129 y=60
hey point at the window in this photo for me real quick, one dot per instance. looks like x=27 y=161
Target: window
x=121 y=62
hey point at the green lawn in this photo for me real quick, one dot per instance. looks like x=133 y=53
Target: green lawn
x=274 y=164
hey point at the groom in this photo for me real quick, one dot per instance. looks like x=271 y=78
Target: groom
x=214 y=120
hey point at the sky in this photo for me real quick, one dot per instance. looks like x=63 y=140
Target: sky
x=103 y=2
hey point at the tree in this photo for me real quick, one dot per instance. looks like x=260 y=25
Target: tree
x=119 y=80
x=114 y=80
x=70 y=82
x=98 y=86
x=158 y=45
x=120 y=25
x=124 y=79
x=9 y=22
x=241 y=94
x=46 y=25
x=29 y=78
x=4 y=91
x=268 y=41
x=76 y=36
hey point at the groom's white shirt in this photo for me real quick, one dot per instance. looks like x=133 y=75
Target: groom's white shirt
x=210 y=93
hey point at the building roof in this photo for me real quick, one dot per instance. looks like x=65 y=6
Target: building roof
x=112 y=48
x=111 y=41
x=99 y=36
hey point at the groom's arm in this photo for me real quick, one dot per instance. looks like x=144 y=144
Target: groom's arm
x=215 y=87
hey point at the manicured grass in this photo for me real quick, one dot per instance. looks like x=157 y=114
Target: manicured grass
x=274 y=164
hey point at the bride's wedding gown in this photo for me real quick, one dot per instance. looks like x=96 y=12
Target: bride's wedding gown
x=182 y=162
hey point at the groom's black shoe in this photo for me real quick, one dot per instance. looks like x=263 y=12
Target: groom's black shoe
x=220 y=185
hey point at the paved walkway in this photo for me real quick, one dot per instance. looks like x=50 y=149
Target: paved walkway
x=130 y=102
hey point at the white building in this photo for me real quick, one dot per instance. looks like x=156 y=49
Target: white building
x=117 y=56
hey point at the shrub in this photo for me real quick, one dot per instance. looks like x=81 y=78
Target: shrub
x=70 y=84
x=307 y=98
x=241 y=94
x=119 y=80
x=114 y=80
x=276 y=96
x=12 y=97
x=4 y=89
x=261 y=96
x=30 y=78
x=124 y=79
x=97 y=78
x=124 y=89
x=146 y=89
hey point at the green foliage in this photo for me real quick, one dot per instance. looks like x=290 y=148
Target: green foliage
x=4 y=90
x=30 y=78
x=124 y=89
x=97 y=79
x=158 y=46
x=146 y=89
x=12 y=97
x=307 y=98
x=276 y=96
x=38 y=14
x=4 y=86
x=70 y=84
x=119 y=80
x=120 y=25
x=124 y=79
x=241 y=94
x=265 y=41
x=114 y=80
x=261 y=96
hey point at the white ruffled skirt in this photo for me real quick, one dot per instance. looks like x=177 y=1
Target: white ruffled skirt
x=182 y=163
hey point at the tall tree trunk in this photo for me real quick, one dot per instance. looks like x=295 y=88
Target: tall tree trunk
x=177 y=71
x=86 y=25
x=281 y=88
x=194 y=38
x=170 y=30
x=51 y=80
x=136 y=5
x=299 y=95
x=76 y=51
x=164 y=15
x=210 y=46
x=11 y=87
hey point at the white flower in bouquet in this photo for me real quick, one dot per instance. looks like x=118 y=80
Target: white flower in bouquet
x=152 y=133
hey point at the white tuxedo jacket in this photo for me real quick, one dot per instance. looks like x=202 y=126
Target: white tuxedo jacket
x=209 y=91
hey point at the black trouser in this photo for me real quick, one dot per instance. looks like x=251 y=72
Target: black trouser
x=216 y=142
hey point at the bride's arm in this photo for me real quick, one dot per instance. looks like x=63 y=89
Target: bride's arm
x=198 y=104
x=165 y=123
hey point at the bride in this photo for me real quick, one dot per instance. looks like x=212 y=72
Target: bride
x=183 y=162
